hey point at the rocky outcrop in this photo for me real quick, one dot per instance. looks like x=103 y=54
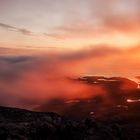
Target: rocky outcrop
x=18 y=124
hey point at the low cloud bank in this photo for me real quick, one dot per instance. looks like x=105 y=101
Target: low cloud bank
x=30 y=80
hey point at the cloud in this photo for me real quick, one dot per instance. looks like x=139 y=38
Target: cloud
x=122 y=24
x=55 y=35
x=110 y=26
x=75 y=29
x=80 y=19
x=102 y=18
x=37 y=78
x=12 y=28
x=91 y=53
x=14 y=59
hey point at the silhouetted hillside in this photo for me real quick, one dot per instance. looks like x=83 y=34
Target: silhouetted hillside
x=17 y=124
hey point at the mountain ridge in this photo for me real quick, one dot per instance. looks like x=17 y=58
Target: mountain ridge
x=19 y=124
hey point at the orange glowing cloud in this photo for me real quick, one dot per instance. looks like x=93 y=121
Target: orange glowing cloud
x=36 y=78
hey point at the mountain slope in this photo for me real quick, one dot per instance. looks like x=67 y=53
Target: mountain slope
x=17 y=124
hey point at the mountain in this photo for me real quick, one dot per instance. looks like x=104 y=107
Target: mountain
x=18 y=124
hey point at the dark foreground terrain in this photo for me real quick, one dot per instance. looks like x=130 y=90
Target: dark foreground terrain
x=18 y=124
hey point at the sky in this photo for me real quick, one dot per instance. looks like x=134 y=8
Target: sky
x=43 y=42
x=69 y=24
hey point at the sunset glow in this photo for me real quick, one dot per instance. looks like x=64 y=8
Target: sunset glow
x=69 y=24
x=69 y=69
x=132 y=101
x=43 y=43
